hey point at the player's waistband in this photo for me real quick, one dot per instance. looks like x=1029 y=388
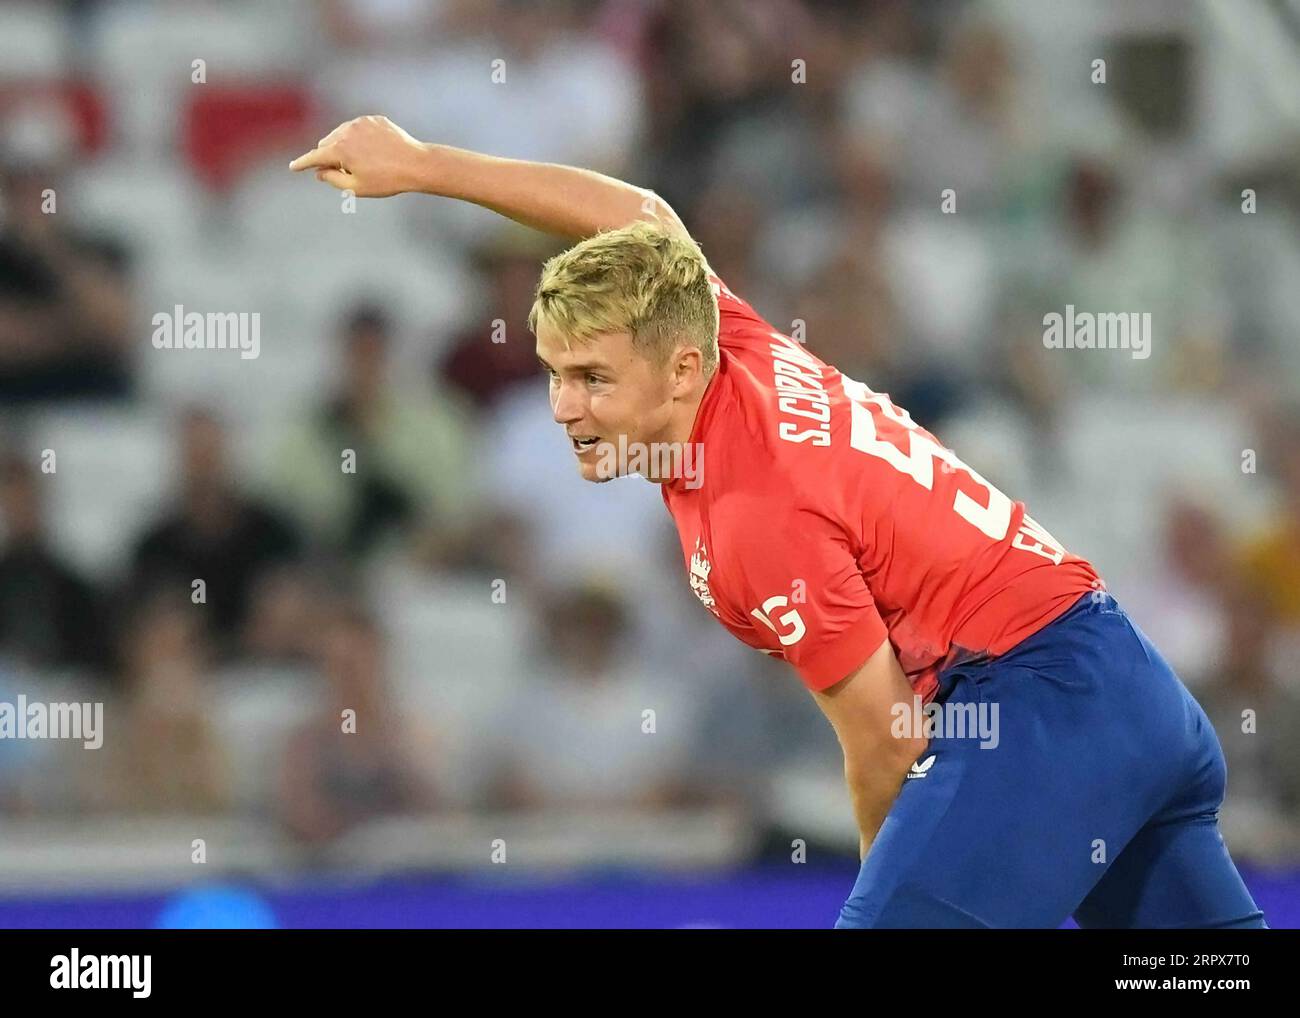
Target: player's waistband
x=1093 y=603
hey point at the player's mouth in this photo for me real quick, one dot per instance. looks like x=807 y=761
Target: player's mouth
x=583 y=443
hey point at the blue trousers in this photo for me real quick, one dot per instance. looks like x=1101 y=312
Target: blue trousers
x=1099 y=797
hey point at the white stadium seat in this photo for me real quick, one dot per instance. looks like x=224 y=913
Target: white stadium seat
x=236 y=38
x=32 y=42
x=144 y=52
x=113 y=469
x=455 y=657
x=255 y=710
x=151 y=204
x=1124 y=457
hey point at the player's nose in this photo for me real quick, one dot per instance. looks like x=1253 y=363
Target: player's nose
x=566 y=405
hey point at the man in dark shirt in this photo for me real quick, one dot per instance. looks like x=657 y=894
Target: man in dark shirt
x=65 y=298
x=214 y=533
x=50 y=617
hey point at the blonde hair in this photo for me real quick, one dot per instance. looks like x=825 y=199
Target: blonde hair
x=640 y=279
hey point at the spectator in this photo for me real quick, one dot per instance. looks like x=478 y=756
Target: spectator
x=411 y=465
x=22 y=761
x=1180 y=603
x=50 y=617
x=215 y=533
x=498 y=351
x=1256 y=716
x=66 y=302
x=1270 y=557
x=166 y=757
x=357 y=758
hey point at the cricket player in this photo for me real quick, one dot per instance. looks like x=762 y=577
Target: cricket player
x=821 y=524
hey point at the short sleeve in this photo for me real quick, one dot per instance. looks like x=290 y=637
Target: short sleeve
x=809 y=599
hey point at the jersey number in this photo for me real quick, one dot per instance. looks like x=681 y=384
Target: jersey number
x=993 y=517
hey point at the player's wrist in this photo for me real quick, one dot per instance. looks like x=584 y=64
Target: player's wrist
x=443 y=171
x=419 y=171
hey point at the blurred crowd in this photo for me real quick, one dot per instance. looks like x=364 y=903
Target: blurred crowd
x=359 y=576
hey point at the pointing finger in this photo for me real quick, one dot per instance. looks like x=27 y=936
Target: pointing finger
x=324 y=158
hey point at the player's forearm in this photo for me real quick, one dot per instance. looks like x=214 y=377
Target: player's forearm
x=872 y=791
x=564 y=200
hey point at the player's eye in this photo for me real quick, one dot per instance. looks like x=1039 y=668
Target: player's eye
x=594 y=379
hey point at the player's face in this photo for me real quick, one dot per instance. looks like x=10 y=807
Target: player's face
x=607 y=396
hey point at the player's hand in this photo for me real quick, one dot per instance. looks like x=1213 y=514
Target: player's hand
x=370 y=156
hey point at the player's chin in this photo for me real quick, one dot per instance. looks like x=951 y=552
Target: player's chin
x=591 y=471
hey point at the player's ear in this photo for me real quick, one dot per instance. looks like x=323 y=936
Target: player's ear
x=688 y=366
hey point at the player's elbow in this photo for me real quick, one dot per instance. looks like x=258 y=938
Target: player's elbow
x=911 y=750
x=887 y=758
x=655 y=210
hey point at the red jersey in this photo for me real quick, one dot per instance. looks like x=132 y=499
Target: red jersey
x=821 y=520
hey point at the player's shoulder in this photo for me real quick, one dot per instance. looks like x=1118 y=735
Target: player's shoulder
x=739 y=324
x=722 y=291
x=772 y=431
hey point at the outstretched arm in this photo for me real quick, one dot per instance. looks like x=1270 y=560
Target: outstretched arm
x=374 y=158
